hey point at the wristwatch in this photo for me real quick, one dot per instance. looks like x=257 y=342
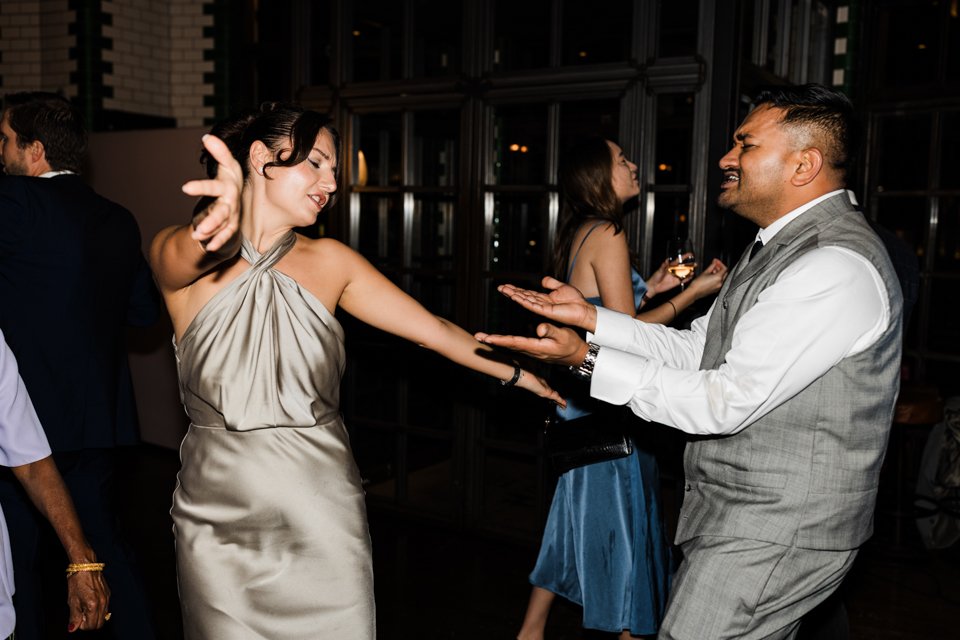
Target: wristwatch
x=585 y=370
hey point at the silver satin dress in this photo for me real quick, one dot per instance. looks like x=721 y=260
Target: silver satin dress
x=269 y=515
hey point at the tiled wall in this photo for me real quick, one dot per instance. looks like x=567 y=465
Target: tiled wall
x=152 y=54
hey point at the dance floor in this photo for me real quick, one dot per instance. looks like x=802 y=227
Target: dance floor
x=436 y=583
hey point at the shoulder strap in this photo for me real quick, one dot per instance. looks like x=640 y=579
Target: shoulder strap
x=573 y=261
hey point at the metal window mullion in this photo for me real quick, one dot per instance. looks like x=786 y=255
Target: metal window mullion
x=761 y=22
x=697 y=208
x=552 y=168
x=407 y=165
x=782 y=52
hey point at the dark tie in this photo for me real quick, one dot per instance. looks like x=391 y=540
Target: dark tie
x=756 y=248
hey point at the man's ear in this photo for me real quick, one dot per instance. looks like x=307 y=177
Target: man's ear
x=809 y=163
x=36 y=151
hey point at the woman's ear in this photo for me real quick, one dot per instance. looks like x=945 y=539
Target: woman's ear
x=259 y=156
x=808 y=167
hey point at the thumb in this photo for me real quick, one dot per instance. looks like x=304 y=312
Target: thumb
x=546 y=330
x=76 y=619
x=551 y=283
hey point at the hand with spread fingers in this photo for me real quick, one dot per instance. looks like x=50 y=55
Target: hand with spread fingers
x=563 y=303
x=216 y=225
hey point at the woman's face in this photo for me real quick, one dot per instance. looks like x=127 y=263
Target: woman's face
x=626 y=183
x=303 y=190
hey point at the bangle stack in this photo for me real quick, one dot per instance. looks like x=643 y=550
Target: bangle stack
x=76 y=567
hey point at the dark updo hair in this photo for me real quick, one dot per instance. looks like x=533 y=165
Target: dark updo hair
x=586 y=192
x=280 y=126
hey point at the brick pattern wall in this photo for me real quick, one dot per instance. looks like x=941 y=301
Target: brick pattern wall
x=35 y=44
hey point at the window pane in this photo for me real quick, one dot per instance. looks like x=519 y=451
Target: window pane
x=678 y=28
x=436 y=47
x=908 y=167
x=432 y=232
x=953 y=43
x=381 y=229
x=947 y=256
x=520 y=233
x=520 y=144
x=322 y=25
x=583 y=119
x=591 y=46
x=521 y=34
x=376 y=36
x=674 y=141
x=950 y=150
x=944 y=330
x=379 y=154
x=669 y=221
x=909 y=56
x=907 y=219
x=430 y=478
x=435 y=136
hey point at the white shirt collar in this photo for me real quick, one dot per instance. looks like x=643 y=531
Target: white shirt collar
x=766 y=235
x=50 y=174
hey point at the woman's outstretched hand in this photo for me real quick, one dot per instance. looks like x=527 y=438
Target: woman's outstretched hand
x=662 y=280
x=535 y=384
x=563 y=303
x=217 y=224
x=709 y=281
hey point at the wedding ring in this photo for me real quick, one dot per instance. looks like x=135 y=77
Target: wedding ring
x=107 y=615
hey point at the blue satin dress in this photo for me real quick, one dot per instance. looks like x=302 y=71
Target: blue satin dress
x=604 y=546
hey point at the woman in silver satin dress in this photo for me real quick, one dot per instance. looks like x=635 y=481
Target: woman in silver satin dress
x=268 y=512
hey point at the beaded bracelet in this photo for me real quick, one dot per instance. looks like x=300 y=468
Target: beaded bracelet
x=77 y=567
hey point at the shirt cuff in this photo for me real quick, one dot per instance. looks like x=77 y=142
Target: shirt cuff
x=614 y=329
x=616 y=375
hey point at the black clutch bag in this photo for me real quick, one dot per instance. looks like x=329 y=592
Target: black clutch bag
x=592 y=438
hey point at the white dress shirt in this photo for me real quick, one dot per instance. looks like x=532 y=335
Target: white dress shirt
x=22 y=441
x=827 y=305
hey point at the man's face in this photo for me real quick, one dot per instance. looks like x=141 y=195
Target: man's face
x=757 y=170
x=14 y=158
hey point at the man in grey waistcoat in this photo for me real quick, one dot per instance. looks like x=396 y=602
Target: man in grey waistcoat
x=786 y=386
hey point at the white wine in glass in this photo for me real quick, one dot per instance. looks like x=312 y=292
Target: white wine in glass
x=683 y=262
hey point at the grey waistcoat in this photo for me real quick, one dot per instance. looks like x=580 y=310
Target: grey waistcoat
x=806 y=473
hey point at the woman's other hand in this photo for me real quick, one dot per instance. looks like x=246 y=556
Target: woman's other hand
x=709 y=281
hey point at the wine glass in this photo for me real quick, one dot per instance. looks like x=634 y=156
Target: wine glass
x=682 y=260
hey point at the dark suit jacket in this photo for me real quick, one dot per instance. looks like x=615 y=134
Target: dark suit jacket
x=72 y=276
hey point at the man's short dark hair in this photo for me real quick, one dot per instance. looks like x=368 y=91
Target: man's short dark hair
x=826 y=112
x=50 y=119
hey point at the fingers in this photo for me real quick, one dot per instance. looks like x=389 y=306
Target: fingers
x=551 y=283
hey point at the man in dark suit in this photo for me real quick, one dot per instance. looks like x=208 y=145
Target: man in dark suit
x=72 y=276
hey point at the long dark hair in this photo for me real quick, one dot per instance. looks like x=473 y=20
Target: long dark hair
x=278 y=125
x=586 y=193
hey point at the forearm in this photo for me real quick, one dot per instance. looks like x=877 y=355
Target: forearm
x=455 y=344
x=178 y=259
x=44 y=485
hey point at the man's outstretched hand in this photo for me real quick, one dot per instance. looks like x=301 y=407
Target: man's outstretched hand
x=553 y=344
x=561 y=303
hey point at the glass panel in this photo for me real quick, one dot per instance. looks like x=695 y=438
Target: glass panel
x=436 y=47
x=436 y=293
x=375 y=452
x=519 y=241
x=678 y=28
x=584 y=119
x=947 y=257
x=908 y=168
x=521 y=34
x=520 y=144
x=950 y=149
x=376 y=37
x=611 y=43
x=510 y=492
x=669 y=221
x=953 y=44
x=432 y=234
x=379 y=151
x=435 y=136
x=773 y=35
x=674 y=141
x=381 y=229
x=908 y=54
x=944 y=330
x=322 y=24
x=430 y=477
x=907 y=218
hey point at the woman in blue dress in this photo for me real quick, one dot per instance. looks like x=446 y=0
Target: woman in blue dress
x=604 y=546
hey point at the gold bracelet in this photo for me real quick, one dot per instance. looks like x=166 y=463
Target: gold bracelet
x=674 y=307
x=77 y=567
